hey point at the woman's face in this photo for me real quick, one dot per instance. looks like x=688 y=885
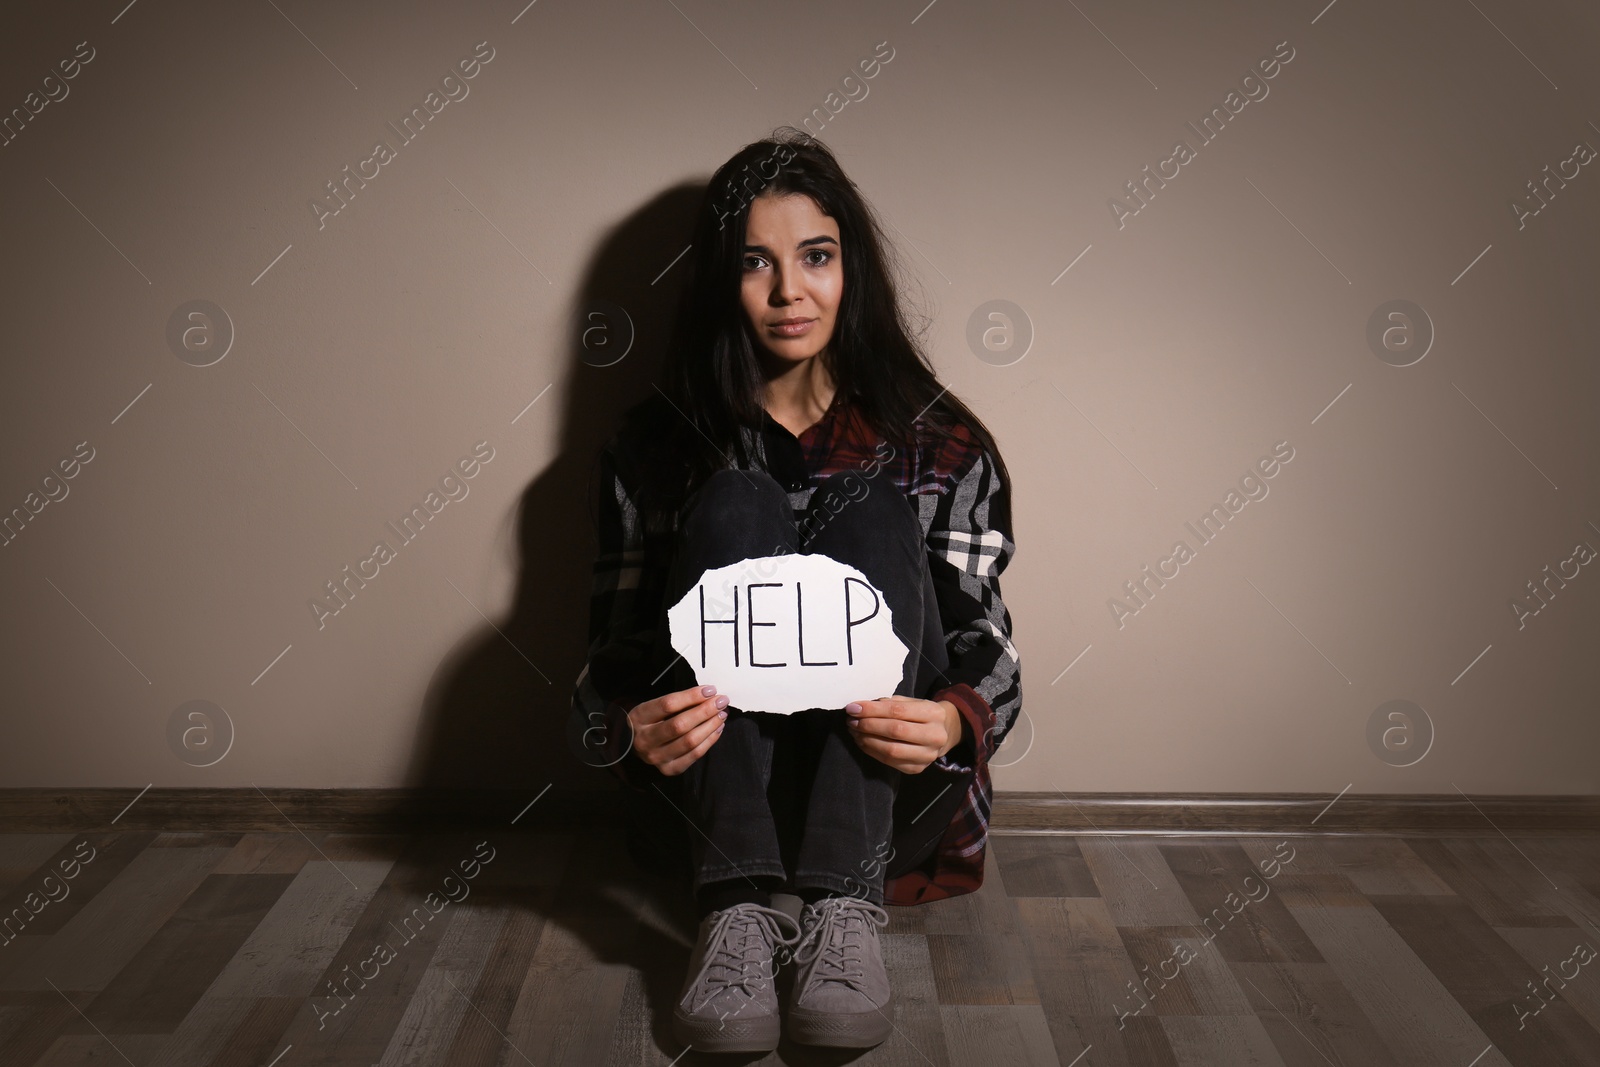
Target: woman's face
x=793 y=277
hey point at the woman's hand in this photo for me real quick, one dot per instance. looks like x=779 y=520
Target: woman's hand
x=904 y=732
x=673 y=730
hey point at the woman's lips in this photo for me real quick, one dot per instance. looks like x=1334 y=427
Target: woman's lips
x=793 y=329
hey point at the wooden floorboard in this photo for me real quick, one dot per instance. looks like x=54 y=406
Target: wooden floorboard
x=249 y=947
x=1310 y=1015
x=173 y=970
x=110 y=928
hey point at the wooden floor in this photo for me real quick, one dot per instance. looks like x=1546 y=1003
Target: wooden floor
x=263 y=949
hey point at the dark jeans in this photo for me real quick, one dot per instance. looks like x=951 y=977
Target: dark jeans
x=793 y=796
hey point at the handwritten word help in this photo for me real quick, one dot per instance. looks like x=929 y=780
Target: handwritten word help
x=811 y=633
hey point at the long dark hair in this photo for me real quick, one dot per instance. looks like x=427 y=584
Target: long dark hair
x=711 y=373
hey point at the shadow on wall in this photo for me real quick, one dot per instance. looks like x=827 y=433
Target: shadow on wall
x=495 y=713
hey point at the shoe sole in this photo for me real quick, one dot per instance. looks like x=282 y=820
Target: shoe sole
x=841 y=1031
x=754 y=1034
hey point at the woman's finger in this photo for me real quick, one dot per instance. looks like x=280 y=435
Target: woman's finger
x=687 y=730
x=696 y=725
x=894 y=729
x=896 y=754
x=648 y=738
x=669 y=704
x=906 y=709
x=918 y=733
x=679 y=765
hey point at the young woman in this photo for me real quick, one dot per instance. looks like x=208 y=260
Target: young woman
x=796 y=414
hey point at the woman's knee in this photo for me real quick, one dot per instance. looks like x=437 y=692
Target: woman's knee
x=876 y=503
x=729 y=494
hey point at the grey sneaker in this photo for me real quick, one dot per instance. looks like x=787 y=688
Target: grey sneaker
x=729 y=1002
x=841 y=993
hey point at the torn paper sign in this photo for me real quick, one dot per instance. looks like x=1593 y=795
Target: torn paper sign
x=787 y=633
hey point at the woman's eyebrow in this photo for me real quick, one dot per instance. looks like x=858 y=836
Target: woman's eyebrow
x=824 y=239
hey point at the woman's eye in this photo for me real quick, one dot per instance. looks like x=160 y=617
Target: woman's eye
x=752 y=263
x=825 y=256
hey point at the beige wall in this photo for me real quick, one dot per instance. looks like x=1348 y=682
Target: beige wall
x=1181 y=346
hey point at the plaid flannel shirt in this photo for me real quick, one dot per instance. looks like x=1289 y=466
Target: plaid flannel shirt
x=965 y=515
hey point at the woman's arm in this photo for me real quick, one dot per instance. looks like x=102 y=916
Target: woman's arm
x=969 y=546
x=957 y=726
x=624 y=607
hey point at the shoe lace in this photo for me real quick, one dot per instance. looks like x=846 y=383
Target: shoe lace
x=835 y=939
x=739 y=950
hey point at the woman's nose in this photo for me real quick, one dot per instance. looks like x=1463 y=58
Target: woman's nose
x=788 y=287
